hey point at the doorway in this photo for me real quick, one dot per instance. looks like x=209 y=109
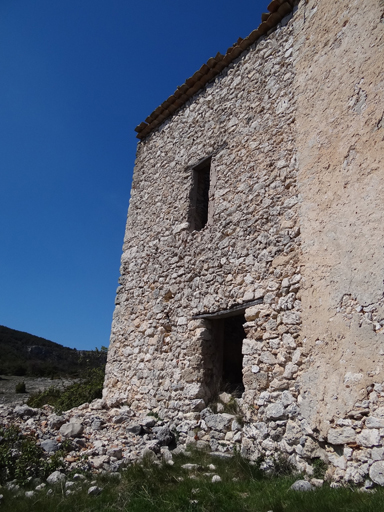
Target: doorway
x=228 y=334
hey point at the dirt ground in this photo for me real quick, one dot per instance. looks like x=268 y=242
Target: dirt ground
x=33 y=384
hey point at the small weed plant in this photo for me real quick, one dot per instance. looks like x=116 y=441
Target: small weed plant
x=22 y=459
x=319 y=468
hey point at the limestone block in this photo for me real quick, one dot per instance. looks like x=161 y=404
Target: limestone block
x=249 y=449
x=193 y=391
x=252 y=313
x=72 y=429
x=275 y=411
x=372 y=422
x=369 y=438
x=293 y=432
x=376 y=473
x=291 y=318
x=377 y=454
x=341 y=436
x=250 y=347
x=267 y=358
x=219 y=421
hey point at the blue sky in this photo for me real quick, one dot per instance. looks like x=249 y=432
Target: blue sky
x=76 y=77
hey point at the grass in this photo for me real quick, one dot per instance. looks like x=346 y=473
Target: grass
x=153 y=488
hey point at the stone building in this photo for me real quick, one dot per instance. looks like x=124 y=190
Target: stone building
x=253 y=259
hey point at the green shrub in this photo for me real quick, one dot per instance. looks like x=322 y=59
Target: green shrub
x=88 y=389
x=47 y=397
x=20 y=387
x=21 y=457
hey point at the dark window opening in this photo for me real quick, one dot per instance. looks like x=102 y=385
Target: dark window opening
x=198 y=214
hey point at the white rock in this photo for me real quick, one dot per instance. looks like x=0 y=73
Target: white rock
x=148 y=421
x=290 y=370
x=78 y=476
x=72 y=429
x=377 y=453
x=287 y=398
x=288 y=341
x=148 y=455
x=219 y=421
x=372 y=422
x=55 y=477
x=225 y=397
x=341 y=435
x=301 y=485
x=275 y=411
x=180 y=227
x=216 y=478
x=49 y=445
x=376 y=473
x=94 y=490
x=338 y=462
x=293 y=432
x=98 y=462
x=369 y=438
x=190 y=467
x=267 y=358
x=291 y=318
x=97 y=404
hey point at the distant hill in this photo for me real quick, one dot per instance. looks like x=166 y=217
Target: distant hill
x=22 y=353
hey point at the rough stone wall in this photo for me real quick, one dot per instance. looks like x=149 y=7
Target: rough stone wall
x=295 y=131
x=159 y=356
x=339 y=88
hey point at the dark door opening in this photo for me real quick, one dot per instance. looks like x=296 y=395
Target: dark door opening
x=228 y=334
x=232 y=377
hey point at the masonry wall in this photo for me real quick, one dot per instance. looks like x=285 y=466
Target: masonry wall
x=294 y=128
x=159 y=356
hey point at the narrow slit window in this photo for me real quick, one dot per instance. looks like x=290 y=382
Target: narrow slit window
x=198 y=216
